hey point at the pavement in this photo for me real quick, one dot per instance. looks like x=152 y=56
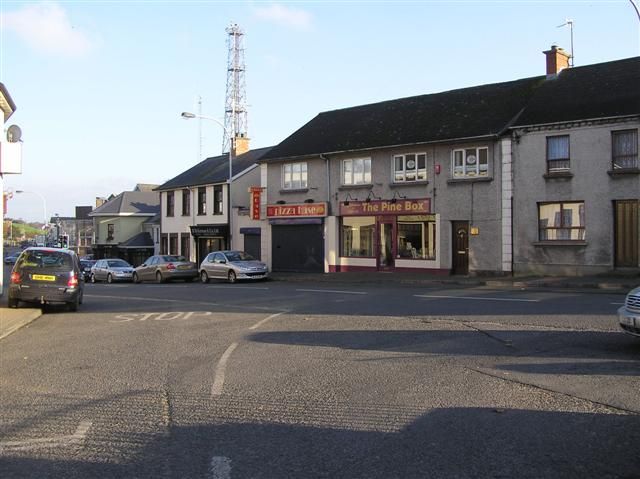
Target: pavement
x=12 y=319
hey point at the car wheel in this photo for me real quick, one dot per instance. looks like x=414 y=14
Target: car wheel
x=109 y=278
x=135 y=278
x=232 y=277
x=93 y=278
x=204 y=277
x=81 y=300
x=13 y=302
x=158 y=277
x=73 y=305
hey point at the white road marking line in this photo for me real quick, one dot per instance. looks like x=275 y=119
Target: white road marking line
x=137 y=298
x=330 y=291
x=57 y=441
x=260 y=323
x=220 y=467
x=218 y=382
x=618 y=304
x=233 y=286
x=476 y=298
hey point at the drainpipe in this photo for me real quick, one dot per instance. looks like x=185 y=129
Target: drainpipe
x=326 y=162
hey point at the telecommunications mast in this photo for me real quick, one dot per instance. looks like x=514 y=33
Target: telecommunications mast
x=235 y=112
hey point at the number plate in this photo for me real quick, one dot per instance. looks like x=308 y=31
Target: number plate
x=630 y=321
x=43 y=277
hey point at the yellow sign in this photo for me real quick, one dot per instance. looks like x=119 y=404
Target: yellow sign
x=43 y=277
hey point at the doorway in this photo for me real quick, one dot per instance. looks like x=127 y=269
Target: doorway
x=386 y=247
x=207 y=245
x=460 y=243
x=626 y=232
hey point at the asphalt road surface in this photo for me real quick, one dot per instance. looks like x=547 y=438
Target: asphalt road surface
x=303 y=379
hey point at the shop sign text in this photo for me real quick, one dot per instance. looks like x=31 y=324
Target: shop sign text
x=386 y=207
x=295 y=210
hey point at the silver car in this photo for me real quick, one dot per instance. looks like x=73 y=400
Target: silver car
x=629 y=314
x=165 y=267
x=232 y=266
x=111 y=270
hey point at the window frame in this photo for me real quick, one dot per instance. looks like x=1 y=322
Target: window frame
x=366 y=243
x=564 y=161
x=464 y=163
x=186 y=202
x=170 y=203
x=366 y=162
x=218 y=206
x=202 y=200
x=563 y=228
x=290 y=184
x=633 y=157
x=400 y=176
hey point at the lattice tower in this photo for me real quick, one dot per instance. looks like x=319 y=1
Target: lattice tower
x=235 y=113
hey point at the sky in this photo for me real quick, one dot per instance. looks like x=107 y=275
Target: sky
x=99 y=85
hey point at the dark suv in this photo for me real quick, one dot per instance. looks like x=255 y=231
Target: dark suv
x=47 y=275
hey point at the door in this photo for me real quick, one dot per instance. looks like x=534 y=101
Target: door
x=460 y=243
x=207 y=245
x=252 y=245
x=626 y=231
x=386 y=249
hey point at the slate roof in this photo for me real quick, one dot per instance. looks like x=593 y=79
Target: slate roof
x=602 y=90
x=481 y=111
x=214 y=170
x=593 y=91
x=140 y=240
x=141 y=203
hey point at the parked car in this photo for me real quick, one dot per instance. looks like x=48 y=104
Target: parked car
x=11 y=258
x=46 y=275
x=111 y=270
x=163 y=268
x=86 y=265
x=629 y=314
x=232 y=266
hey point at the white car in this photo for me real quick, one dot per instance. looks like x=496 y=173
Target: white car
x=629 y=314
x=232 y=266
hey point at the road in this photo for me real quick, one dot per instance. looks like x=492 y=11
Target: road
x=304 y=379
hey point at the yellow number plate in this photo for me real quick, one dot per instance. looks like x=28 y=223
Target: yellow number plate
x=43 y=277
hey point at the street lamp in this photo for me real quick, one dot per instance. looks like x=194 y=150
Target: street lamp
x=44 y=203
x=189 y=116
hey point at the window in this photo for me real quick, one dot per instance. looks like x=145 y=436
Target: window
x=412 y=167
x=625 y=149
x=561 y=221
x=294 y=176
x=186 y=202
x=111 y=229
x=356 y=236
x=557 y=153
x=217 y=200
x=202 y=200
x=173 y=243
x=164 y=243
x=185 y=241
x=356 y=172
x=471 y=163
x=170 y=203
x=417 y=237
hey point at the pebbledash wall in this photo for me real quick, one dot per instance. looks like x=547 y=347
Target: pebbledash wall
x=441 y=200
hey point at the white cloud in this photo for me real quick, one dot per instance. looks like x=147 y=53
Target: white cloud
x=286 y=16
x=47 y=28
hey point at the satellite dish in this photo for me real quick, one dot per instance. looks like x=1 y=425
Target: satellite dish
x=14 y=134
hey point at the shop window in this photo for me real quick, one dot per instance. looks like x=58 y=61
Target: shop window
x=624 y=149
x=407 y=168
x=561 y=221
x=186 y=202
x=170 y=203
x=185 y=242
x=173 y=243
x=417 y=237
x=202 y=200
x=164 y=243
x=356 y=236
x=557 y=153
x=471 y=163
x=294 y=176
x=217 y=200
x=356 y=171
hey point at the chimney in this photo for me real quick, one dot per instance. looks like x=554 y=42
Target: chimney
x=240 y=145
x=557 y=60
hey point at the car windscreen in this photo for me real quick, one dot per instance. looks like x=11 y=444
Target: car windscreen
x=173 y=259
x=239 y=256
x=118 y=264
x=45 y=259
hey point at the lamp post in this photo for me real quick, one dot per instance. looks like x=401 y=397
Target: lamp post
x=44 y=203
x=188 y=116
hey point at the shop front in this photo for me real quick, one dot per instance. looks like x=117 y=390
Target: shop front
x=297 y=237
x=387 y=235
x=208 y=238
